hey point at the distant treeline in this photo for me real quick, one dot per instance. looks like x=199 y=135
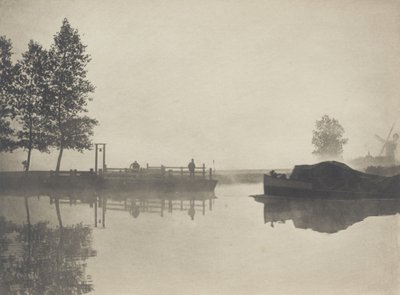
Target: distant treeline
x=44 y=97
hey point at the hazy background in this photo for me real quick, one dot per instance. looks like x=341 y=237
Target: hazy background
x=238 y=82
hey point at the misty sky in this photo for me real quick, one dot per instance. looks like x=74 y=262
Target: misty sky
x=238 y=82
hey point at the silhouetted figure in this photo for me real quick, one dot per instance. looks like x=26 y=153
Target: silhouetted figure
x=24 y=165
x=135 y=166
x=191 y=167
x=191 y=210
x=277 y=175
x=135 y=210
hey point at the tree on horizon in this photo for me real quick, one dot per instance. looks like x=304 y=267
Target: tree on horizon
x=328 y=138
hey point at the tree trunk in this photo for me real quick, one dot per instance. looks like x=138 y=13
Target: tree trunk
x=28 y=219
x=58 y=212
x=28 y=160
x=59 y=159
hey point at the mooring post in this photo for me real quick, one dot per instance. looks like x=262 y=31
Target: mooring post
x=104 y=157
x=95 y=158
x=162 y=208
x=162 y=170
x=204 y=207
x=95 y=212
x=170 y=206
x=147 y=166
x=104 y=211
x=210 y=203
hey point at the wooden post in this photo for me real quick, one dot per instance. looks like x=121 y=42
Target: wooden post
x=170 y=206
x=95 y=212
x=147 y=166
x=104 y=157
x=95 y=160
x=204 y=170
x=210 y=203
x=104 y=211
x=162 y=170
x=204 y=207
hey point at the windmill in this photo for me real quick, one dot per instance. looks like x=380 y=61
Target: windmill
x=387 y=139
x=389 y=146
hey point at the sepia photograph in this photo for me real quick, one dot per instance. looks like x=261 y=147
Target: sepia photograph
x=214 y=147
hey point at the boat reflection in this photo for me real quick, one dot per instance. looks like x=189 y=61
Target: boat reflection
x=325 y=216
x=42 y=259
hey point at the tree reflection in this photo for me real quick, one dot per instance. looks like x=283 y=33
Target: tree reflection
x=44 y=260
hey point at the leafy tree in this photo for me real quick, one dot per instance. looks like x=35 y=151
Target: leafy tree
x=7 y=78
x=328 y=137
x=69 y=93
x=29 y=103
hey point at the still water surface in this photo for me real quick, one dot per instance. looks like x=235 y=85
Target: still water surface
x=238 y=247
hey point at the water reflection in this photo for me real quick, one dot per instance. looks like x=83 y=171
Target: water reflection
x=325 y=216
x=42 y=259
x=162 y=203
x=44 y=252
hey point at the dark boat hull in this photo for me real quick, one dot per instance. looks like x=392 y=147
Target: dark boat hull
x=298 y=189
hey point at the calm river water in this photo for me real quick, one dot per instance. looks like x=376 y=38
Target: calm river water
x=238 y=247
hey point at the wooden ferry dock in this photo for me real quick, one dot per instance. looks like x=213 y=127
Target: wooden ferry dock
x=148 y=179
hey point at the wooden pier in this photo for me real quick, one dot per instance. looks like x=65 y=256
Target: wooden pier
x=151 y=178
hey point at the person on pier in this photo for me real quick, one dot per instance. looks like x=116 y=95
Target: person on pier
x=135 y=166
x=192 y=168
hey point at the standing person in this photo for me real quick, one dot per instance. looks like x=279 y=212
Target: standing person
x=24 y=165
x=191 y=167
x=135 y=166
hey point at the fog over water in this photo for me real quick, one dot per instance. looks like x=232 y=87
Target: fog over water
x=241 y=82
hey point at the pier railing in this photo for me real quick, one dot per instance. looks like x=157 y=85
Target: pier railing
x=160 y=171
x=148 y=171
